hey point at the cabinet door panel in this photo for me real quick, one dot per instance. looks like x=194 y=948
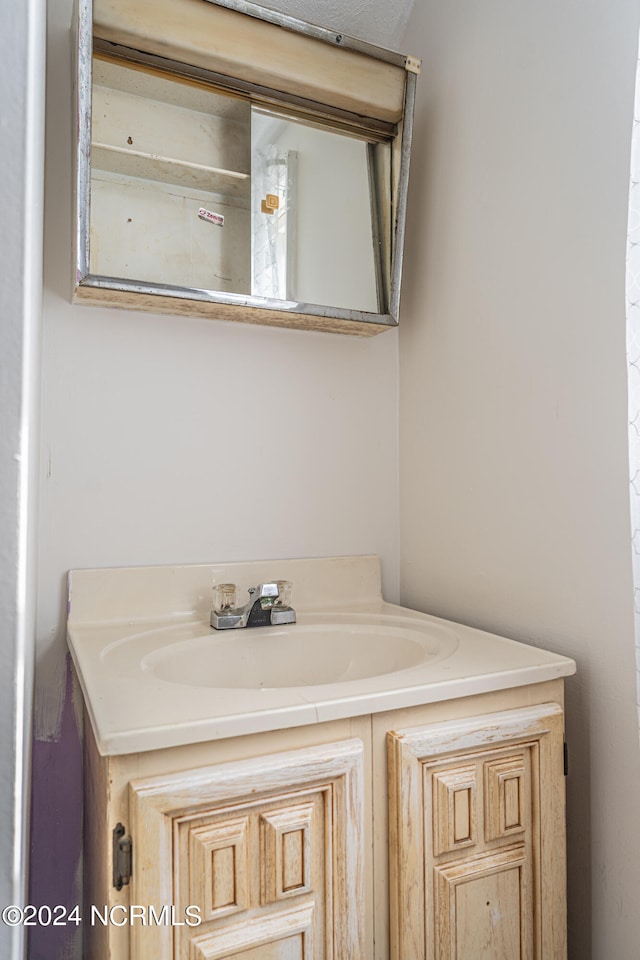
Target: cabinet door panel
x=287 y=850
x=477 y=838
x=285 y=936
x=269 y=850
x=454 y=809
x=218 y=868
x=481 y=909
x=507 y=796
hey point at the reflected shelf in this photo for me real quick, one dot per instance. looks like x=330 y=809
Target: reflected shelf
x=149 y=166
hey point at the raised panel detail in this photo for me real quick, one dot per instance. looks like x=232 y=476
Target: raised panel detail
x=507 y=796
x=480 y=908
x=286 y=935
x=241 y=840
x=454 y=809
x=496 y=780
x=286 y=837
x=218 y=868
x=294 y=861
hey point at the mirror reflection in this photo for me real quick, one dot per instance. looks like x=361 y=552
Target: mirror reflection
x=311 y=215
x=195 y=188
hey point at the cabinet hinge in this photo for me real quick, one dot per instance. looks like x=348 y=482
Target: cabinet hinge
x=413 y=64
x=566 y=758
x=122 y=855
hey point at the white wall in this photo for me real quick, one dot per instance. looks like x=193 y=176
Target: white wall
x=514 y=478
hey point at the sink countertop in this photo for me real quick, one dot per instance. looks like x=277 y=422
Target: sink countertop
x=118 y=616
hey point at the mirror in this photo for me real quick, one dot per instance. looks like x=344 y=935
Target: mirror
x=194 y=188
x=317 y=242
x=233 y=169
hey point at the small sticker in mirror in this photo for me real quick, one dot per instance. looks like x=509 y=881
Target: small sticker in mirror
x=211 y=217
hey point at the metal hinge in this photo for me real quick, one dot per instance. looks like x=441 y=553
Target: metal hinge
x=413 y=64
x=566 y=758
x=122 y=853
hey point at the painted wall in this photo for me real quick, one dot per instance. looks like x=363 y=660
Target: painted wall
x=174 y=440
x=514 y=477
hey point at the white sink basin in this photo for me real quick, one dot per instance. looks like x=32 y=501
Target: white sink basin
x=318 y=650
x=298 y=655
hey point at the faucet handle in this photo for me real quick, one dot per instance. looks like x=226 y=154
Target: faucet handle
x=285 y=588
x=225 y=597
x=282 y=611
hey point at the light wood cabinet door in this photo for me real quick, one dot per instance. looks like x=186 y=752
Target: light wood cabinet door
x=270 y=850
x=477 y=838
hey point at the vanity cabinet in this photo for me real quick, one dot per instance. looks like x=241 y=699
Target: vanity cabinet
x=427 y=833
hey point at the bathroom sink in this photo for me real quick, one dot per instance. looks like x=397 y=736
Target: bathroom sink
x=155 y=675
x=298 y=655
x=319 y=650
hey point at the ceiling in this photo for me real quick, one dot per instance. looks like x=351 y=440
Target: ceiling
x=382 y=22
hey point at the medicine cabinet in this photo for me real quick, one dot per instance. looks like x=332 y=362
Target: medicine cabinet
x=237 y=163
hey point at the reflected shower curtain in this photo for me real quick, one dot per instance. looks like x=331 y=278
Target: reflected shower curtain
x=633 y=364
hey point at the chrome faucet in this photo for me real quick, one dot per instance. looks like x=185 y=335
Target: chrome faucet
x=269 y=604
